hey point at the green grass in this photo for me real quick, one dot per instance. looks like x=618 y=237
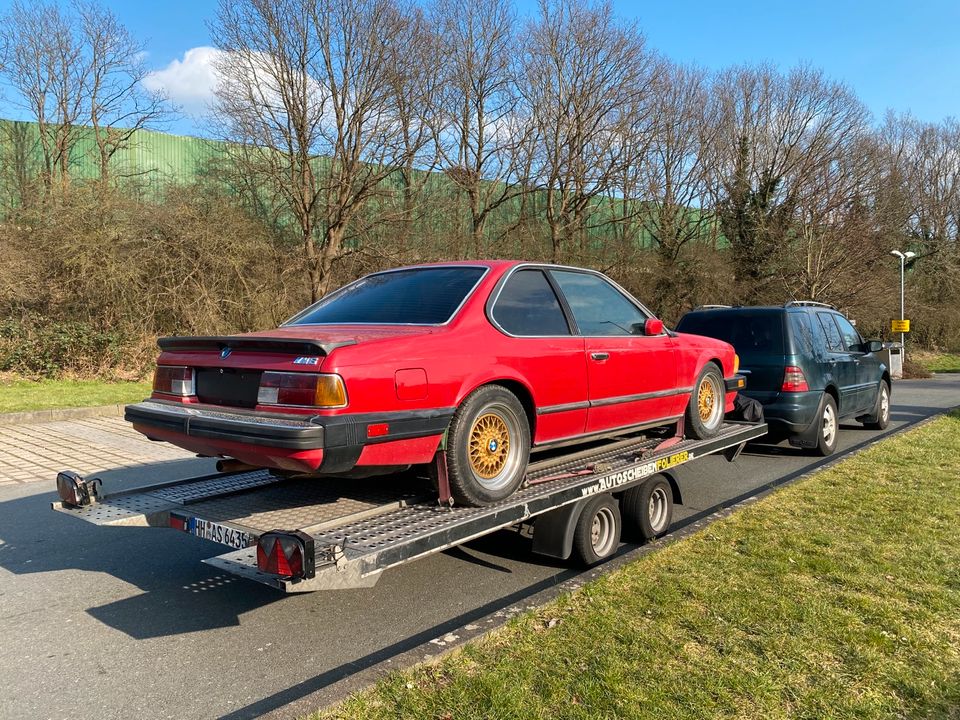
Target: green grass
x=25 y=395
x=939 y=362
x=835 y=597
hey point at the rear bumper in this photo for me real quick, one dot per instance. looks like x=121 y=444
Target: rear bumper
x=791 y=413
x=325 y=443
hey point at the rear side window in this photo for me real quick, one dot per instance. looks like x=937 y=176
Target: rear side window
x=417 y=296
x=752 y=334
x=528 y=306
x=831 y=333
x=597 y=306
x=802 y=334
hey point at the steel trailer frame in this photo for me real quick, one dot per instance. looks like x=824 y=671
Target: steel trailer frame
x=360 y=528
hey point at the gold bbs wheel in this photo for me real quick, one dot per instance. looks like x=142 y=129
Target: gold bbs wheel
x=489 y=445
x=706 y=400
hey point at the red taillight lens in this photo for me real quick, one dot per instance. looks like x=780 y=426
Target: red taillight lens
x=301 y=389
x=174 y=380
x=76 y=491
x=288 y=554
x=794 y=380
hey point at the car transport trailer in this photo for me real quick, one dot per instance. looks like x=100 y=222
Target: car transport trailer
x=301 y=534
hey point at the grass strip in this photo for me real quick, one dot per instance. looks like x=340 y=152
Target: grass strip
x=835 y=597
x=27 y=395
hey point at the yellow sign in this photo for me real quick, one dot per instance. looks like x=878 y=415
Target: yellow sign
x=899 y=326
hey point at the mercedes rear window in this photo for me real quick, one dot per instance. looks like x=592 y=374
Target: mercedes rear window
x=750 y=333
x=416 y=296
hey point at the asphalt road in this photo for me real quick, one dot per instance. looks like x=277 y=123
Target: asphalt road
x=111 y=622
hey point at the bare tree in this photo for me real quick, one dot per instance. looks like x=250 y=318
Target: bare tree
x=47 y=69
x=310 y=90
x=119 y=105
x=778 y=134
x=482 y=130
x=584 y=72
x=672 y=178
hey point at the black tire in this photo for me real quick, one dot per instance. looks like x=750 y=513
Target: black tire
x=704 y=420
x=828 y=433
x=597 y=535
x=880 y=418
x=647 y=509
x=488 y=445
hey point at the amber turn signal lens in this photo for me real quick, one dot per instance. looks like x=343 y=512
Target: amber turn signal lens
x=736 y=363
x=330 y=392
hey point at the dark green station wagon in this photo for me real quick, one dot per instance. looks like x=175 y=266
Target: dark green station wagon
x=808 y=366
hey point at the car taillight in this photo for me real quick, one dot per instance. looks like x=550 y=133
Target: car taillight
x=301 y=389
x=288 y=554
x=794 y=380
x=174 y=380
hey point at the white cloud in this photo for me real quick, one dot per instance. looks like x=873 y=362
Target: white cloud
x=189 y=82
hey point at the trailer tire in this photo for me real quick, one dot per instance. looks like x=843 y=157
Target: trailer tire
x=705 y=410
x=488 y=445
x=597 y=535
x=647 y=509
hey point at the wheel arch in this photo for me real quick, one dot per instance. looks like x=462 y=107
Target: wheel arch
x=518 y=387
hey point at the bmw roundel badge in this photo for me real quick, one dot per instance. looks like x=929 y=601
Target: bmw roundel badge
x=225 y=353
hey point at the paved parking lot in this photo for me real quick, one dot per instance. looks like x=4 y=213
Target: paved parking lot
x=29 y=453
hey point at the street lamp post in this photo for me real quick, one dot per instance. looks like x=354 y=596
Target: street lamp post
x=909 y=255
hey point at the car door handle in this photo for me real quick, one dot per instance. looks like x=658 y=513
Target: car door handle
x=600 y=356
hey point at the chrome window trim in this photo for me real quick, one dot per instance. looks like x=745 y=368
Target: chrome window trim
x=329 y=298
x=547 y=267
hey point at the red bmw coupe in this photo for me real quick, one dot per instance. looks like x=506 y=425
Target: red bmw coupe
x=482 y=361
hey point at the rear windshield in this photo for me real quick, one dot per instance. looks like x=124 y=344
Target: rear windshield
x=750 y=333
x=418 y=296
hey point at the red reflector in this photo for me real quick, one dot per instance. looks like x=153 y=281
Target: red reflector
x=177 y=523
x=287 y=554
x=794 y=380
x=378 y=430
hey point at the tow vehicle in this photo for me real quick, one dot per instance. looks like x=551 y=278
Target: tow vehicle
x=298 y=534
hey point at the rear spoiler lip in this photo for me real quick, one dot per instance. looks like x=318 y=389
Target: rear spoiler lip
x=242 y=342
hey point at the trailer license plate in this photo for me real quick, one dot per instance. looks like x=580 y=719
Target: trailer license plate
x=219 y=533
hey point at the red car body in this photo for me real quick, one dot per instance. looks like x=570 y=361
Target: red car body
x=403 y=382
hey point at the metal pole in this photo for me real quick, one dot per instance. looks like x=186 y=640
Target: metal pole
x=903 y=339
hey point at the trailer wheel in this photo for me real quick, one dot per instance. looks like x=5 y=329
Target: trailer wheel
x=705 y=411
x=488 y=445
x=597 y=535
x=648 y=509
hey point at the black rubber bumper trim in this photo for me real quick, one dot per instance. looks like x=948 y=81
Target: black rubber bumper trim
x=338 y=435
x=734 y=383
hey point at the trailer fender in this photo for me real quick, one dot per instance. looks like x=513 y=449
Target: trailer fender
x=553 y=531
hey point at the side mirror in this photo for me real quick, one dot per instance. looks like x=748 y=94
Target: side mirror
x=653 y=326
x=872 y=346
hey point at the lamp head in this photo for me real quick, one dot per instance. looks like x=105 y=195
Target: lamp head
x=897 y=253
x=909 y=254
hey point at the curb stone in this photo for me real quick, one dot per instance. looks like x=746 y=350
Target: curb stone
x=54 y=414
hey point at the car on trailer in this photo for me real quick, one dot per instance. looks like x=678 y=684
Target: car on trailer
x=478 y=362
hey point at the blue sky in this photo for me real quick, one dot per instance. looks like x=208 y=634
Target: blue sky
x=896 y=55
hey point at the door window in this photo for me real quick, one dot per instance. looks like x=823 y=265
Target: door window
x=834 y=340
x=597 y=306
x=528 y=306
x=851 y=338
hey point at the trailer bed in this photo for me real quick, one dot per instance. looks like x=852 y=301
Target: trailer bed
x=361 y=527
